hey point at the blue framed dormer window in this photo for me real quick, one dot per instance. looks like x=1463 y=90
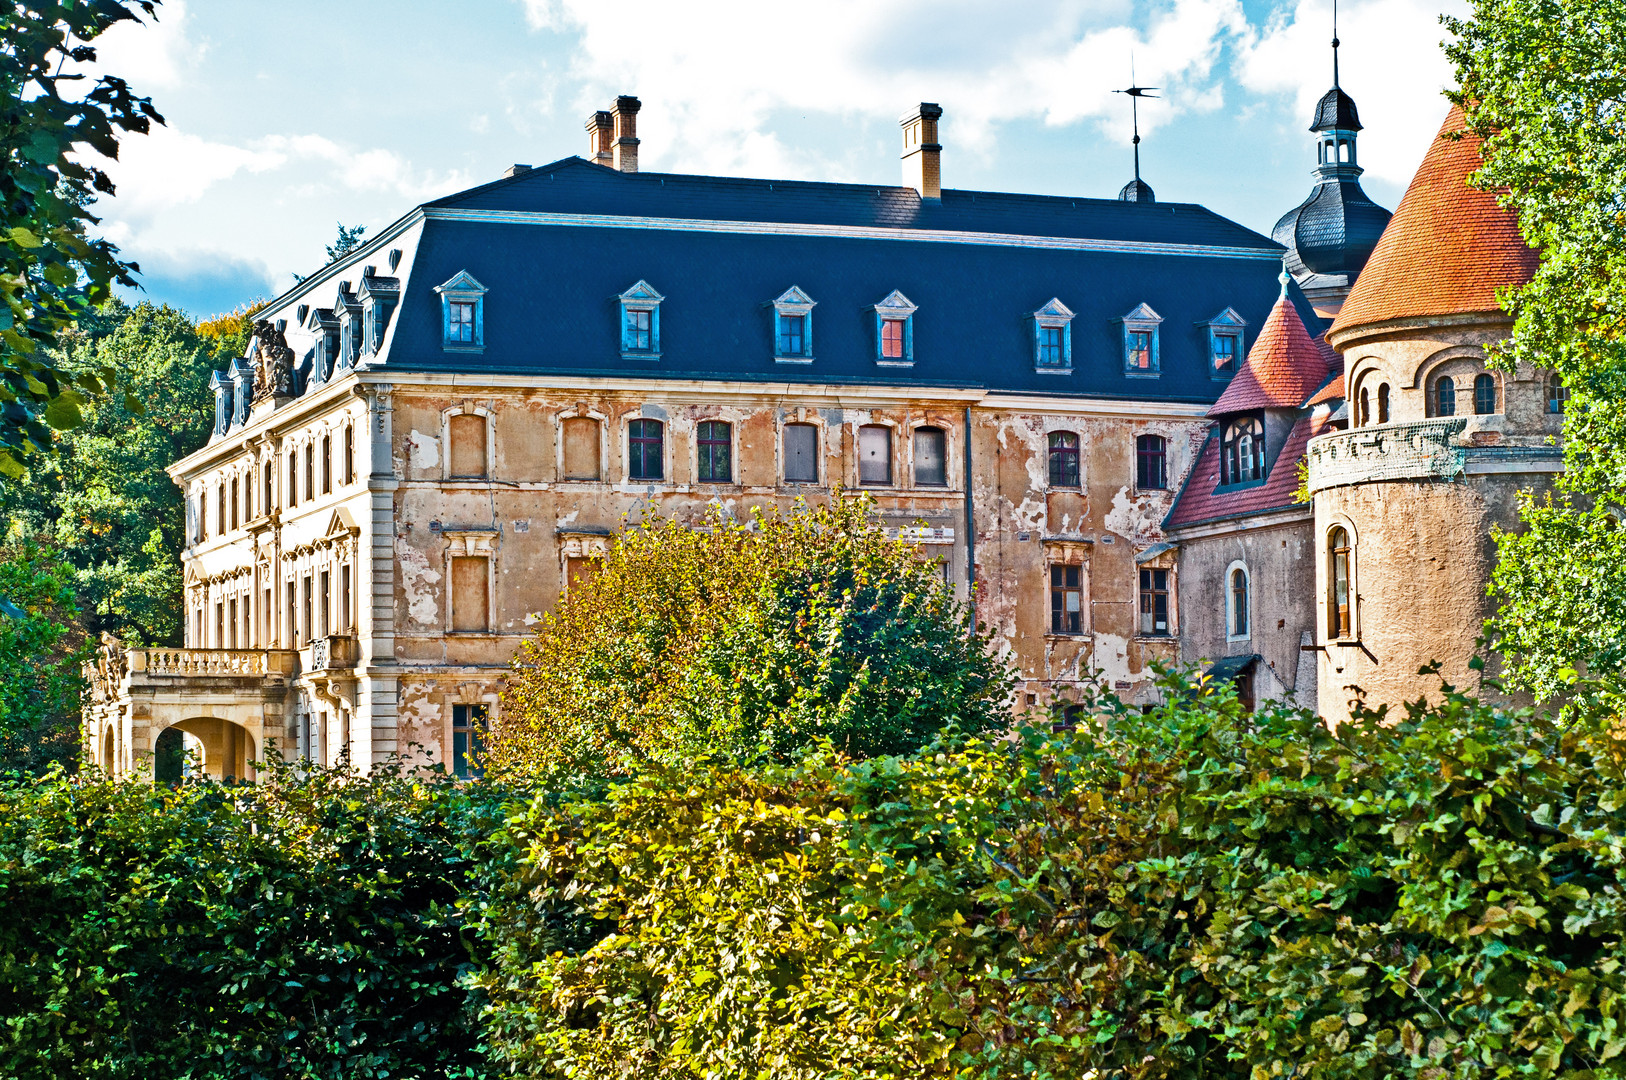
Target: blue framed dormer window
x=793 y=327
x=462 y=314
x=895 y=331
x=1141 y=347
x=641 y=322
x=1053 y=339
x=1225 y=343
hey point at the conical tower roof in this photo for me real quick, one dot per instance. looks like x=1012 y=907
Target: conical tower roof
x=1446 y=251
x=1284 y=367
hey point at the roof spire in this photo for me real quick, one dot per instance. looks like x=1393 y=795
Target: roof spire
x=1136 y=190
x=1335 y=44
x=1284 y=277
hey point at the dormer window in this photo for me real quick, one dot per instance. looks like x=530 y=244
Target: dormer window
x=462 y=314
x=1242 y=451
x=1141 y=359
x=895 y=331
x=793 y=327
x=321 y=323
x=1224 y=343
x=641 y=322
x=378 y=297
x=1053 y=338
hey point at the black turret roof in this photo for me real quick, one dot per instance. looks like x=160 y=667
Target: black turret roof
x=1336 y=109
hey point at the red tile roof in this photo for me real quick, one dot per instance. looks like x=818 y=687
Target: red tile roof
x=1334 y=388
x=1201 y=499
x=1447 y=249
x=1283 y=368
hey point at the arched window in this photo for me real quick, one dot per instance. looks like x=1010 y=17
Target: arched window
x=1383 y=404
x=1365 y=409
x=1151 y=462
x=715 y=444
x=1242 y=451
x=1237 y=609
x=1445 y=396
x=645 y=460
x=1339 y=621
x=1557 y=393
x=1064 y=459
x=1484 y=394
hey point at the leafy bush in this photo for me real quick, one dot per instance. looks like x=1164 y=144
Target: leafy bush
x=41 y=648
x=1195 y=893
x=302 y=928
x=746 y=639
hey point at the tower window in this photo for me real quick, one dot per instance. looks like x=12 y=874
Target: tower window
x=1066 y=599
x=715 y=445
x=1557 y=393
x=1154 y=603
x=1365 y=409
x=1064 y=464
x=1383 y=403
x=1151 y=462
x=1242 y=451
x=1338 y=608
x=1445 y=396
x=1484 y=394
x=645 y=458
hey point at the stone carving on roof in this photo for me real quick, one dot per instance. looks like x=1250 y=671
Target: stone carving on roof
x=273 y=362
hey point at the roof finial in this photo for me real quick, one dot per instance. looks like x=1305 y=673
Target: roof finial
x=1284 y=277
x=1135 y=94
x=1335 y=43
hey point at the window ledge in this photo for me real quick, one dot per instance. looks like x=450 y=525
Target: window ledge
x=1053 y=370
x=1142 y=374
x=1171 y=638
x=793 y=359
x=1229 y=640
x=1243 y=486
x=640 y=356
x=464 y=348
x=1082 y=635
x=894 y=363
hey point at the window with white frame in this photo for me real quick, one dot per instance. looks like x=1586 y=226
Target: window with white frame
x=1238 y=605
x=875 y=454
x=1141 y=347
x=641 y=322
x=895 y=331
x=463 y=302
x=1224 y=343
x=793 y=326
x=1053 y=338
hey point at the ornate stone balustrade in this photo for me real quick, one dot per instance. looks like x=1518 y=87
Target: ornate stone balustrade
x=1417 y=451
x=208 y=662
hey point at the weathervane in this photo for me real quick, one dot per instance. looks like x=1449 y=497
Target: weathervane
x=1334 y=44
x=1135 y=93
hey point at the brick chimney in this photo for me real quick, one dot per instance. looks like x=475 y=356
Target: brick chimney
x=600 y=132
x=626 y=133
x=922 y=153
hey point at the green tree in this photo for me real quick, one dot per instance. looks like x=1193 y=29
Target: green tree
x=41 y=648
x=1543 y=83
x=51 y=272
x=746 y=639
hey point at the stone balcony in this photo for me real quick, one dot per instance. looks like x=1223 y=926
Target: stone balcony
x=1420 y=450
x=336 y=651
x=213 y=663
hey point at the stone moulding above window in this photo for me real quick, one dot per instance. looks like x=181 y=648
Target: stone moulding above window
x=1142 y=359
x=1053 y=339
x=640 y=322
x=793 y=327
x=1225 y=343
x=895 y=331
x=462 y=314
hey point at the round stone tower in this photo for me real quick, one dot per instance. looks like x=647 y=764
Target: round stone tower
x=1437 y=448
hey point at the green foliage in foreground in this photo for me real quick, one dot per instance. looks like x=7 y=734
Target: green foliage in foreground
x=749 y=639
x=41 y=648
x=1194 y=893
x=295 y=929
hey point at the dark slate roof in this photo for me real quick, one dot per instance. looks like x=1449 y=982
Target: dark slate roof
x=1336 y=109
x=1284 y=366
x=1335 y=229
x=553 y=280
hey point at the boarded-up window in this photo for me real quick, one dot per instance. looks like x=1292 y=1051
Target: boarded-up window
x=579 y=570
x=471 y=605
x=581 y=448
x=874 y=454
x=931 y=457
x=468 y=450
x=801 y=454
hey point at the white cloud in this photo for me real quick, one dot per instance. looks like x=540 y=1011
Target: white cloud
x=155 y=53
x=1390 y=63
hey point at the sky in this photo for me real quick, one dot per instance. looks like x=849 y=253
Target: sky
x=286 y=119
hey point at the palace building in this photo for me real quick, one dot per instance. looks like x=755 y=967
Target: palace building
x=1092 y=413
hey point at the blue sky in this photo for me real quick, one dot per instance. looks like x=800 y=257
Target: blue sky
x=286 y=118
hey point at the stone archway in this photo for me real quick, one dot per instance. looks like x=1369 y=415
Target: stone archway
x=204 y=746
x=107 y=750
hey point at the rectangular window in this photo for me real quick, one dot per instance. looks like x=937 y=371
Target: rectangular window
x=715 y=446
x=293 y=478
x=325 y=622
x=874 y=454
x=1064 y=470
x=220 y=508
x=350 y=453
x=792 y=335
x=637 y=336
x=344 y=599
x=307 y=625
x=220 y=625
x=1154 y=603
x=267 y=620
x=892 y=339
x=580 y=569
x=801 y=454
x=1066 y=599
x=1151 y=463
x=327 y=464
x=310 y=471
x=231 y=623
x=1052 y=351
x=268 y=501
x=293 y=627
x=645 y=460
x=931 y=457
x=1224 y=354
x=234 y=502
x=460 y=322
x=581 y=451
x=467 y=454
x=468 y=731
x=471 y=598
x=1140 y=350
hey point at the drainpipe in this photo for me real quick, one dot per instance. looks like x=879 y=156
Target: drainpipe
x=970 y=530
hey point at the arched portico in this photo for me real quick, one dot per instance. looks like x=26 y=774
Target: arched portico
x=206 y=746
